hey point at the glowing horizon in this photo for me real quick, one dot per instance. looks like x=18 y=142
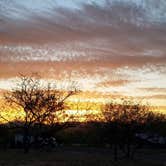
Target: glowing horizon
x=112 y=49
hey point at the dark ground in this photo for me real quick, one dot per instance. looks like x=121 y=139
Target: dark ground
x=80 y=156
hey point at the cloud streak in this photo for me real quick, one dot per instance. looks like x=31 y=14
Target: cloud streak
x=112 y=45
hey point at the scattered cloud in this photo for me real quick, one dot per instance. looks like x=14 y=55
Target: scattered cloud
x=107 y=46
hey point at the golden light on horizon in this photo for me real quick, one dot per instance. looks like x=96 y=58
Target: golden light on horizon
x=80 y=110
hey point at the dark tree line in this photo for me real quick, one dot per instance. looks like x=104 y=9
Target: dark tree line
x=126 y=119
x=45 y=108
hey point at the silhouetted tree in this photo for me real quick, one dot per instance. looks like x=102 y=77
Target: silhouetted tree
x=38 y=103
x=123 y=120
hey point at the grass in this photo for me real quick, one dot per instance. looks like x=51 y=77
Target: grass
x=76 y=156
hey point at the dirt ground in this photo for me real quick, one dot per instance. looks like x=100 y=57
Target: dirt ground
x=80 y=156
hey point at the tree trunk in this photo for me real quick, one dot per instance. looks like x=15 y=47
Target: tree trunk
x=115 y=152
x=128 y=132
x=128 y=149
x=26 y=143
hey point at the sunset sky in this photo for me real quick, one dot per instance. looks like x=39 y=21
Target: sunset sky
x=111 y=48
